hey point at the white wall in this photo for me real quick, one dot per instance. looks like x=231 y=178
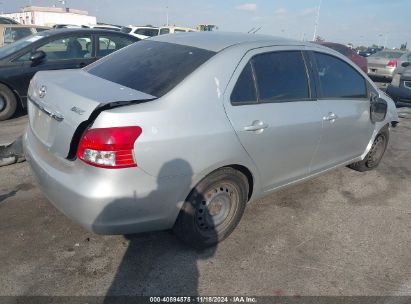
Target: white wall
x=51 y=18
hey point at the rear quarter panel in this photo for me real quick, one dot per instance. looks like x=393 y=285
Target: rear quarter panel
x=188 y=125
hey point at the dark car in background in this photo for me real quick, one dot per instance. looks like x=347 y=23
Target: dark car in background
x=50 y=50
x=348 y=52
x=370 y=51
x=400 y=87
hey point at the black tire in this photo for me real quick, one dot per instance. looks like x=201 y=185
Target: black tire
x=8 y=103
x=224 y=191
x=374 y=156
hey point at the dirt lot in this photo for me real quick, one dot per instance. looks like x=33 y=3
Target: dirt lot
x=343 y=233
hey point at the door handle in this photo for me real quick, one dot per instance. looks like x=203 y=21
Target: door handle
x=257 y=126
x=330 y=117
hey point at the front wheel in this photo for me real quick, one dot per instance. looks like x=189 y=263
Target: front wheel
x=8 y=103
x=213 y=209
x=374 y=156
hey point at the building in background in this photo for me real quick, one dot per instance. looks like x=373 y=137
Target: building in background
x=49 y=16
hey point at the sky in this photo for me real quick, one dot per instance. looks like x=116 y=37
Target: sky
x=360 y=22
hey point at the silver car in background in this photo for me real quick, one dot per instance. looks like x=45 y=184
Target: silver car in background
x=181 y=131
x=384 y=63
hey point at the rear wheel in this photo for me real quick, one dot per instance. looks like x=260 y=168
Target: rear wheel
x=375 y=154
x=8 y=103
x=213 y=209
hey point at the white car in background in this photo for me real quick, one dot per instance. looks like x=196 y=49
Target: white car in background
x=144 y=32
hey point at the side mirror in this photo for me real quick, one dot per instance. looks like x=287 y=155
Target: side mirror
x=405 y=64
x=37 y=56
x=378 y=109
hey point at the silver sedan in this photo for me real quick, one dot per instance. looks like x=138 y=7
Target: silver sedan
x=181 y=131
x=384 y=63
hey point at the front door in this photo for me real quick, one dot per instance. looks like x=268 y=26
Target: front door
x=270 y=107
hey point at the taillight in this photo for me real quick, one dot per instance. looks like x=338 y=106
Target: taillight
x=392 y=63
x=109 y=147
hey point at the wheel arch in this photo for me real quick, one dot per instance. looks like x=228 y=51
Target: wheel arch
x=16 y=94
x=374 y=135
x=238 y=167
x=248 y=174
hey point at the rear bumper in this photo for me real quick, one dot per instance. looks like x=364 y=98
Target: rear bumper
x=120 y=201
x=401 y=95
x=381 y=72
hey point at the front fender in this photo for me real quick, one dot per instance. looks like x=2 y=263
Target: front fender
x=391 y=119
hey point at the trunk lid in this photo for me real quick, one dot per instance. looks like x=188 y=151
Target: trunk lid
x=377 y=62
x=59 y=101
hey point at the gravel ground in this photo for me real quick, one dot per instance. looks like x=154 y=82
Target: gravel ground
x=343 y=233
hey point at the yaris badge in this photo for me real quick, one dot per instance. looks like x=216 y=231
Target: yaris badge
x=77 y=110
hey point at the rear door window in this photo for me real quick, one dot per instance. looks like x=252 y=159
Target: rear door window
x=151 y=67
x=281 y=76
x=338 y=79
x=111 y=43
x=244 y=90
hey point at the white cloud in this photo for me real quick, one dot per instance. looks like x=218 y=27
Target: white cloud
x=251 y=7
x=280 y=13
x=308 y=11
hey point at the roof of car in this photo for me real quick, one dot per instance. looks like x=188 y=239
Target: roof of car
x=9 y=20
x=77 y=30
x=326 y=43
x=217 y=41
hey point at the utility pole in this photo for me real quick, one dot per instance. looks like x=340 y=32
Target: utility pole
x=167 y=17
x=317 y=21
x=63 y=2
x=385 y=40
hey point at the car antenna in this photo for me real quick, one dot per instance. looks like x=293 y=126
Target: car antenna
x=257 y=30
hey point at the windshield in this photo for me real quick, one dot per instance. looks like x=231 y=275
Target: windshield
x=388 y=55
x=18 y=45
x=151 y=67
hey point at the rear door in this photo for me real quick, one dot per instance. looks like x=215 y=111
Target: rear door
x=268 y=102
x=345 y=111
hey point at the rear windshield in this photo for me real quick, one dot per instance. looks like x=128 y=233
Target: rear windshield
x=151 y=67
x=149 y=32
x=340 y=49
x=388 y=55
x=125 y=29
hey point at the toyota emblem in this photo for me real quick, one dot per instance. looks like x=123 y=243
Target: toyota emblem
x=42 y=91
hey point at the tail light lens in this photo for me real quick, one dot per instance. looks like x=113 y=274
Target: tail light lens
x=392 y=63
x=109 y=147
